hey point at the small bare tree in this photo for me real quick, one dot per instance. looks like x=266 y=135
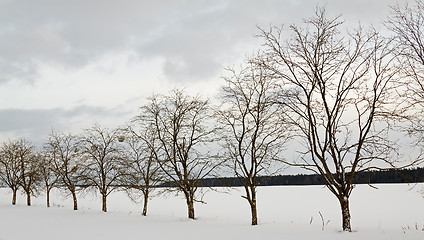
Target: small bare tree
x=336 y=89
x=62 y=150
x=183 y=129
x=10 y=171
x=28 y=166
x=102 y=154
x=254 y=129
x=142 y=171
x=48 y=176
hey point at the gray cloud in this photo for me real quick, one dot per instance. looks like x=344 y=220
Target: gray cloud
x=195 y=38
x=36 y=124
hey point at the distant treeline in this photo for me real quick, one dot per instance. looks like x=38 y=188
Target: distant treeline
x=384 y=176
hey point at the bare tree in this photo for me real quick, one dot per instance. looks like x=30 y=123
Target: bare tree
x=337 y=92
x=182 y=127
x=28 y=166
x=48 y=176
x=62 y=150
x=103 y=160
x=254 y=129
x=10 y=170
x=142 y=171
x=407 y=23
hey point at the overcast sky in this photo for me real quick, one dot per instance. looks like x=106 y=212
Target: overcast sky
x=65 y=65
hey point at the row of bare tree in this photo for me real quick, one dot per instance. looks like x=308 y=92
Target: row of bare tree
x=167 y=143
x=341 y=96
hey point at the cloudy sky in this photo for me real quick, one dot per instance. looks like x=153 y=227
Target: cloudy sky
x=65 y=65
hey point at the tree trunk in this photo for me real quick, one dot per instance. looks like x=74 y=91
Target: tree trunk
x=254 y=213
x=28 y=198
x=104 y=208
x=190 y=207
x=146 y=199
x=74 y=197
x=14 y=196
x=252 y=201
x=48 y=197
x=344 y=204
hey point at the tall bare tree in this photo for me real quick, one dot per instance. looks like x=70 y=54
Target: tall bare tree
x=142 y=171
x=10 y=170
x=337 y=93
x=62 y=150
x=183 y=128
x=407 y=23
x=254 y=129
x=102 y=154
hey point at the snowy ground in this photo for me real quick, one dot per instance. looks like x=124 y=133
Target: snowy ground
x=394 y=211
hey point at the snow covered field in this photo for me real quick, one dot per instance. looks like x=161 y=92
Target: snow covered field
x=394 y=211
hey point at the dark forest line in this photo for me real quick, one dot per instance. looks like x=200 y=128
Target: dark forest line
x=371 y=177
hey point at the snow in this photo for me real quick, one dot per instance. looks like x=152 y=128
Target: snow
x=285 y=212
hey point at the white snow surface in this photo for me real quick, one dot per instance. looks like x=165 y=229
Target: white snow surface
x=393 y=211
